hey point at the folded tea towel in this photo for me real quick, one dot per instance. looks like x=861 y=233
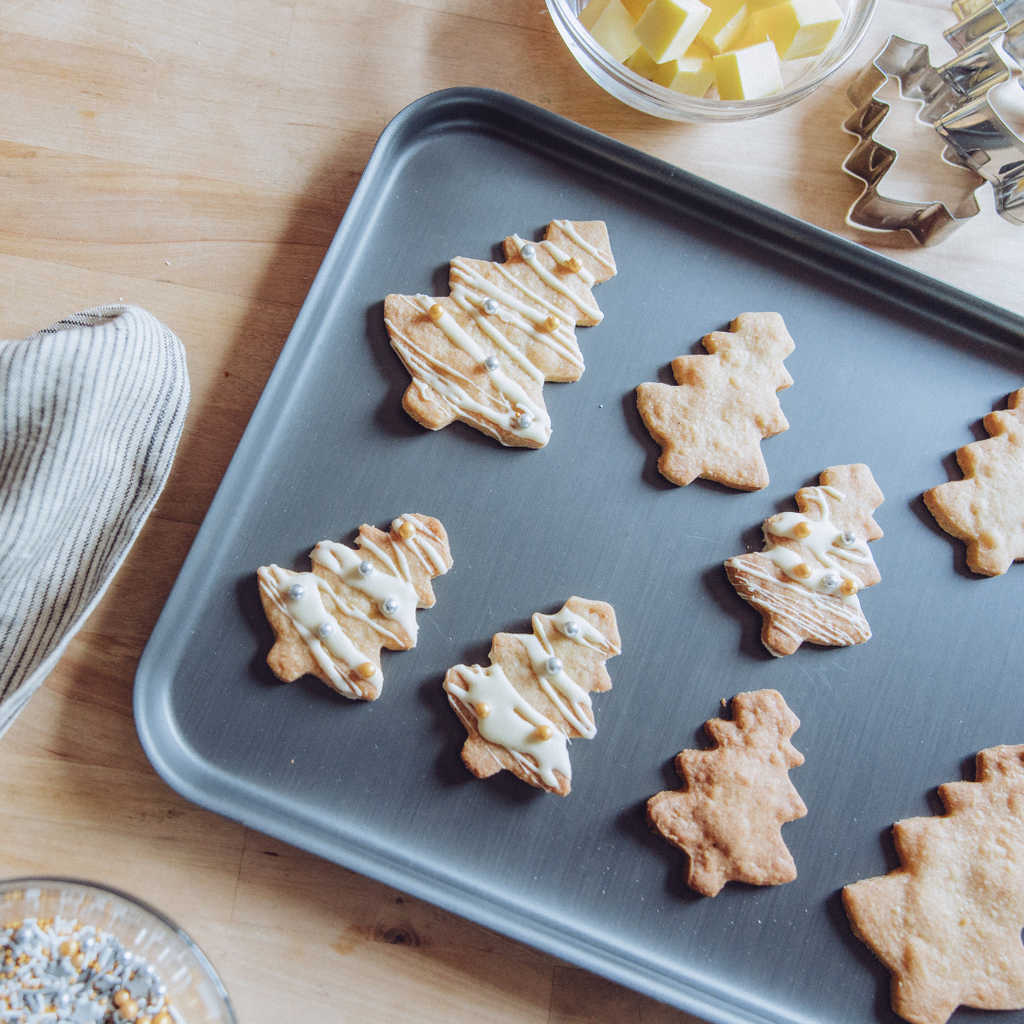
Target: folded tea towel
x=91 y=411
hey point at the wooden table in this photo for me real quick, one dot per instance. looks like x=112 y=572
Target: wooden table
x=195 y=158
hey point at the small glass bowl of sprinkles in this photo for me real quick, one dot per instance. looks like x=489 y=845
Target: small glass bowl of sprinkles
x=83 y=953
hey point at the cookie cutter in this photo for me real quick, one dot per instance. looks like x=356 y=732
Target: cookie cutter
x=955 y=101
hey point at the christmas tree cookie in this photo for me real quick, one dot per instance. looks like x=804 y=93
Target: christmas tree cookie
x=711 y=423
x=523 y=708
x=333 y=621
x=735 y=798
x=806 y=579
x=947 y=922
x=986 y=508
x=482 y=354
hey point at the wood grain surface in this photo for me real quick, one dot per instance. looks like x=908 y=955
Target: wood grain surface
x=195 y=158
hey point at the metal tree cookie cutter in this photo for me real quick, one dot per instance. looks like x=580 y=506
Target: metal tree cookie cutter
x=955 y=101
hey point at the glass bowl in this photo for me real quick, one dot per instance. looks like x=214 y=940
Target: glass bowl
x=800 y=78
x=161 y=954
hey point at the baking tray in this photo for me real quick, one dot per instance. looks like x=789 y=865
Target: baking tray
x=890 y=368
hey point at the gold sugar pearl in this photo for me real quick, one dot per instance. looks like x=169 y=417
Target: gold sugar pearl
x=543 y=732
x=69 y=947
x=121 y=996
x=803 y=571
x=77 y=961
x=802 y=529
x=849 y=588
x=573 y=264
x=551 y=323
x=163 y=1018
x=144 y=1019
x=406 y=530
x=367 y=670
x=436 y=311
x=129 y=1010
x=482 y=709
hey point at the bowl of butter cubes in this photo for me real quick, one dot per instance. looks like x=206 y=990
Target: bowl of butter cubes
x=710 y=60
x=79 y=952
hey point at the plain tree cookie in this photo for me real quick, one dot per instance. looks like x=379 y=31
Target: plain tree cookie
x=711 y=422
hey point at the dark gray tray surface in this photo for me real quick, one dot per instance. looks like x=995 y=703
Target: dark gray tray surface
x=890 y=369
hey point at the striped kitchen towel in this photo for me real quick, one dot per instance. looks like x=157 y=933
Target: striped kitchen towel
x=91 y=411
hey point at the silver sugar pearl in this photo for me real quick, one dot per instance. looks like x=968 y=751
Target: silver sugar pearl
x=296 y=591
x=491 y=306
x=847 y=538
x=390 y=606
x=365 y=568
x=571 y=628
x=523 y=420
x=324 y=630
x=528 y=251
x=830 y=582
x=491 y=363
x=553 y=666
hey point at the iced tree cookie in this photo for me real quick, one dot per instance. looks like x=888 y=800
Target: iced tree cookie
x=482 y=355
x=523 y=708
x=986 y=508
x=947 y=922
x=735 y=798
x=711 y=422
x=806 y=579
x=333 y=621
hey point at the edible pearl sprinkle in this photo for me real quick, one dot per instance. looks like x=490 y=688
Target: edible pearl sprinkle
x=365 y=568
x=802 y=530
x=367 y=670
x=849 y=588
x=571 y=628
x=390 y=606
x=491 y=306
x=37 y=985
x=544 y=732
x=296 y=591
x=553 y=666
x=436 y=311
x=830 y=582
x=523 y=420
x=803 y=571
x=528 y=251
x=847 y=539
x=491 y=363
x=325 y=629
x=406 y=530
x=573 y=264
x=483 y=709
x=551 y=323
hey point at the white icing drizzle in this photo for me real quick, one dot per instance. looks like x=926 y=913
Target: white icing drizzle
x=562 y=259
x=511 y=723
x=472 y=304
x=812 y=613
x=426 y=546
x=561 y=341
x=430 y=373
x=307 y=614
x=552 y=282
x=378 y=586
x=559 y=685
x=569 y=229
x=588 y=635
x=824 y=542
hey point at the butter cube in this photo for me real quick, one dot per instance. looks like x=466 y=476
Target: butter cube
x=799 y=28
x=642 y=63
x=748 y=74
x=611 y=26
x=669 y=27
x=724 y=24
x=692 y=74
